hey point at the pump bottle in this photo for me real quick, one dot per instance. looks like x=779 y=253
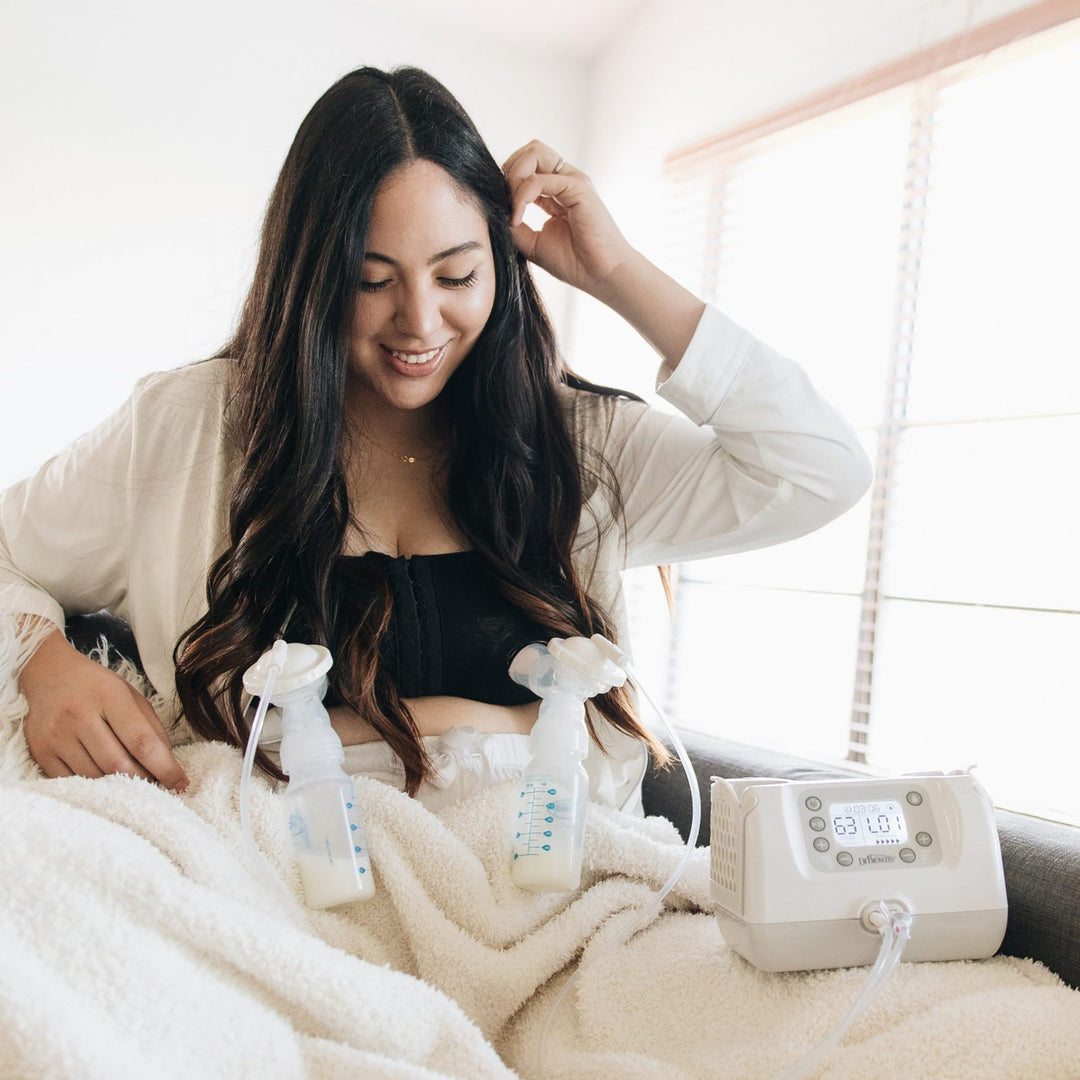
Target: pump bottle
x=548 y=819
x=324 y=818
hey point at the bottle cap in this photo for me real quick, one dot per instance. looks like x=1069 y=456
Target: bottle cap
x=304 y=664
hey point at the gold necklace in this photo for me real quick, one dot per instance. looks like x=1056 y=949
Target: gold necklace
x=408 y=459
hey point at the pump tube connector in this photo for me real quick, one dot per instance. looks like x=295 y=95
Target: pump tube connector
x=893 y=922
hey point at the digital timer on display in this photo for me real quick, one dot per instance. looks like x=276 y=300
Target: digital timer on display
x=868 y=824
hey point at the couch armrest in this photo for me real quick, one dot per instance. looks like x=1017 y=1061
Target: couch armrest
x=1041 y=858
x=1042 y=880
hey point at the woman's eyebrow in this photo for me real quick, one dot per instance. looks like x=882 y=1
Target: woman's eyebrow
x=469 y=245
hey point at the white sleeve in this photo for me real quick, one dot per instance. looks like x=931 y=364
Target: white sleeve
x=65 y=531
x=766 y=458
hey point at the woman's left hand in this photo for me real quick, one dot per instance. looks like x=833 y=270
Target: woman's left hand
x=580 y=242
x=581 y=245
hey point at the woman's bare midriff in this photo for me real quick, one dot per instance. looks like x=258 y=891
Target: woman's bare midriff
x=437 y=715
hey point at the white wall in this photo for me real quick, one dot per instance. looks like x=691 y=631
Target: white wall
x=683 y=70
x=140 y=144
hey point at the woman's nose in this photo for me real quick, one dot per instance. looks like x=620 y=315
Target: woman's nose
x=418 y=314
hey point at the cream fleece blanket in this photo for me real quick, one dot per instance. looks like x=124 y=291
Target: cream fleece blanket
x=137 y=940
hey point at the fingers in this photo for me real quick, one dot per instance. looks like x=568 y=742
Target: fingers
x=558 y=190
x=79 y=761
x=125 y=740
x=149 y=715
x=536 y=157
x=531 y=178
x=53 y=767
x=100 y=748
x=140 y=744
x=85 y=720
x=551 y=206
x=94 y=752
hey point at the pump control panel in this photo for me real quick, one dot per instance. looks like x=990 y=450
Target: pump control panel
x=795 y=865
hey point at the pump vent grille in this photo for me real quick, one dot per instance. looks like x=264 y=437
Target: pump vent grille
x=724 y=838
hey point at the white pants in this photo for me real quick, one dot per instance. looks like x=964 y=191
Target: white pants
x=463 y=759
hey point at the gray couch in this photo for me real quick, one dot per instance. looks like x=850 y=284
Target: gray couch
x=1041 y=858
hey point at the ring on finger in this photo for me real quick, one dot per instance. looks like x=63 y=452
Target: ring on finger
x=559 y=164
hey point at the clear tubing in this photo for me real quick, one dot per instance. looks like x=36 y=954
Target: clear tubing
x=691 y=779
x=895 y=931
x=653 y=909
x=277 y=664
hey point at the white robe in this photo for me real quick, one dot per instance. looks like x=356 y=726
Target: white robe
x=131 y=516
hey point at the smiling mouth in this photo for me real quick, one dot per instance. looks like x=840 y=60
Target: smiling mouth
x=415 y=358
x=415 y=363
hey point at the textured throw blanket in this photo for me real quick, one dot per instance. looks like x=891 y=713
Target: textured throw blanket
x=137 y=939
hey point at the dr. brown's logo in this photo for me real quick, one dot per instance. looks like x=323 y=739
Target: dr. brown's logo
x=864 y=859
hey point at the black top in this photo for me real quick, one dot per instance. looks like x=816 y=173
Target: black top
x=450 y=632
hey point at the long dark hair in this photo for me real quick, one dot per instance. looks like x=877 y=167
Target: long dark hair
x=516 y=481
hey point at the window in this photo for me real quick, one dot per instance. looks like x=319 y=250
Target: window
x=918 y=249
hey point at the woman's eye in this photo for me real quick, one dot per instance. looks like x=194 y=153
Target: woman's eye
x=446 y=282
x=459 y=282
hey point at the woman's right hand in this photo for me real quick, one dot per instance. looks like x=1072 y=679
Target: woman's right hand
x=85 y=720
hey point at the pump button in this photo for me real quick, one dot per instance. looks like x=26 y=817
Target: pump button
x=817 y=824
x=914 y=798
x=813 y=803
x=844 y=858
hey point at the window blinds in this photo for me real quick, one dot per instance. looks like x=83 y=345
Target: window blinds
x=916 y=250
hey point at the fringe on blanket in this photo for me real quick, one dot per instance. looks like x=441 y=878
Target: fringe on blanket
x=19 y=638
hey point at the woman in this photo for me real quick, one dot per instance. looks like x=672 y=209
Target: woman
x=389 y=457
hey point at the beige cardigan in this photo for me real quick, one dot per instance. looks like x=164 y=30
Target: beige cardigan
x=131 y=516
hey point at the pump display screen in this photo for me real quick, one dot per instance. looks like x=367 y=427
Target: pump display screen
x=868 y=824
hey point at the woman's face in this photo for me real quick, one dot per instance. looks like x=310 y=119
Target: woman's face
x=427 y=288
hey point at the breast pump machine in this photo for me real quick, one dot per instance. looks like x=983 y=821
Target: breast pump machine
x=805 y=874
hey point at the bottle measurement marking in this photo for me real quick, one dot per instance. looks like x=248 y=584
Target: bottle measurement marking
x=359 y=840
x=536 y=818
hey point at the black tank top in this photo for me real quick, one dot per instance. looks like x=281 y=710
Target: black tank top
x=450 y=632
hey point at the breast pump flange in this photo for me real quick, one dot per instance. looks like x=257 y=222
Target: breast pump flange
x=548 y=817
x=324 y=817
